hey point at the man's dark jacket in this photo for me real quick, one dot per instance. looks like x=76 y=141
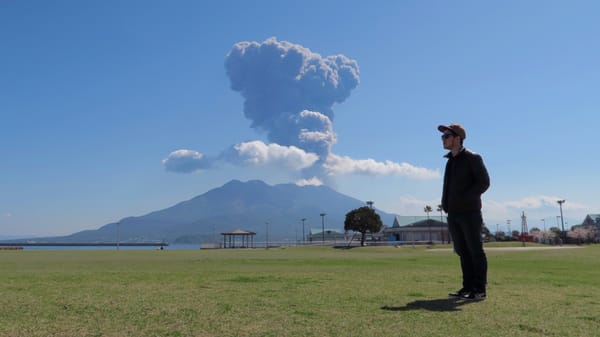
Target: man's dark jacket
x=465 y=180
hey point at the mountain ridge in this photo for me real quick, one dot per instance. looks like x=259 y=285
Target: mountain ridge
x=244 y=205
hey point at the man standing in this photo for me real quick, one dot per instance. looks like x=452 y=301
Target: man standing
x=465 y=180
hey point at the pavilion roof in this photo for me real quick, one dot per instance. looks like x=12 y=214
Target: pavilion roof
x=238 y=232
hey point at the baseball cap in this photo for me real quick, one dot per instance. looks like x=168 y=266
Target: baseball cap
x=457 y=129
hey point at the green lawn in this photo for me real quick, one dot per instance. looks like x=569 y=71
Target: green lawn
x=310 y=291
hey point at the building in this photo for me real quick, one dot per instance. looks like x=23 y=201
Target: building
x=417 y=229
x=592 y=220
x=335 y=235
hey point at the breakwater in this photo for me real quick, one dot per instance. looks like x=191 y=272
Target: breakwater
x=84 y=244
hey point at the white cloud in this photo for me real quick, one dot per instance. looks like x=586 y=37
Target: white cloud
x=494 y=211
x=257 y=153
x=186 y=161
x=535 y=206
x=314 y=181
x=409 y=205
x=338 y=165
x=253 y=153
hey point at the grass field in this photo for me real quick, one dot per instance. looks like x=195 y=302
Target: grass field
x=304 y=291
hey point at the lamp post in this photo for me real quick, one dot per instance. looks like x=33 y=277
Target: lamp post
x=303 y=236
x=544 y=232
x=562 y=221
x=544 y=221
x=267 y=235
x=323 y=226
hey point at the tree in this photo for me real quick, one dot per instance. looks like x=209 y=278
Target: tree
x=441 y=210
x=428 y=210
x=582 y=234
x=363 y=220
x=515 y=234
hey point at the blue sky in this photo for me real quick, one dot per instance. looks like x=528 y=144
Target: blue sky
x=98 y=98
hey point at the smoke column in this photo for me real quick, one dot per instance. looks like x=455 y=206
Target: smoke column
x=289 y=91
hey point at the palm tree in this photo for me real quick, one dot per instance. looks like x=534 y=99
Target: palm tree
x=428 y=210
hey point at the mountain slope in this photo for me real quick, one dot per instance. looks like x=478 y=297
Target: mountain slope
x=246 y=205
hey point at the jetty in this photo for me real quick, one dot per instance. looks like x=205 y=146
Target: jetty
x=83 y=244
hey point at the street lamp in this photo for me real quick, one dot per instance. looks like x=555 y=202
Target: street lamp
x=560 y=202
x=323 y=226
x=544 y=232
x=544 y=221
x=303 y=236
x=267 y=235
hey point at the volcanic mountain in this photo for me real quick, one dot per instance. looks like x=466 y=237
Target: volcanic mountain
x=236 y=205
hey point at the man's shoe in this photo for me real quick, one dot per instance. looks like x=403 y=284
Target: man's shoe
x=459 y=293
x=475 y=295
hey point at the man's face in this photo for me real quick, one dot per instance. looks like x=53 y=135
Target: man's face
x=449 y=140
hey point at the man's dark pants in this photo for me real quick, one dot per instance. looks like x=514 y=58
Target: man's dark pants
x=465 y=229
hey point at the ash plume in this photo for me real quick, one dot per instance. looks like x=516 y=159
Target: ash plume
x=289 y=91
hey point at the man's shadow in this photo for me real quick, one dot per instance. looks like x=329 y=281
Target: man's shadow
x=444 y=304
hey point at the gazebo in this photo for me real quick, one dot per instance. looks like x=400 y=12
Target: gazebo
x=229 y=239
